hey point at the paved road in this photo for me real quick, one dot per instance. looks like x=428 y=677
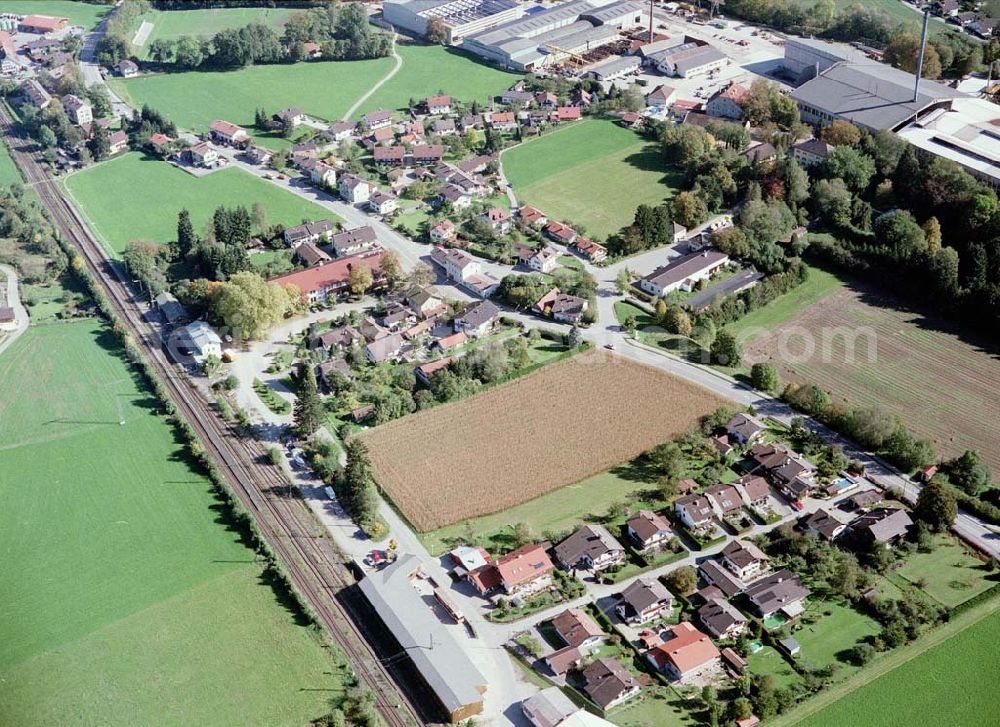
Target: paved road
x=20 y=325
x=92 y=71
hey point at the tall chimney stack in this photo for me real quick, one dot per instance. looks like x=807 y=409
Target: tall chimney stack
x=920 y=55
x=650 y=21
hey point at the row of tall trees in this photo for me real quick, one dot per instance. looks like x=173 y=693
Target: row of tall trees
x=342 y=32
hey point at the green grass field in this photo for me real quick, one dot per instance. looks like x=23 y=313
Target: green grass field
x=429 y=69
x=193 y=100
x=952 y=683
x=594 y=173
x=768 y=661
x=172 y=24
x=780 y=311
x=134 y=197
x=8 y=172
x=947 y=574
x=85 y=14
x=125 y=599
x=559 y=510
x=830 y=634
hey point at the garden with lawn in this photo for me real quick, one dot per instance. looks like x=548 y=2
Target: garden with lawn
x=563 y=509
x=128 y=597
x=768 y=662
x=948 y=573
x=951 y=683
x=592 y=173
x=828 y=629
x=136 y=197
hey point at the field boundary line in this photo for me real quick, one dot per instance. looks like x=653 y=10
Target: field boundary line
x=889 y=663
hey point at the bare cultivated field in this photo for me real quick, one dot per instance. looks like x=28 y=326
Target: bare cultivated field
x=944 y=387
x=554 y=427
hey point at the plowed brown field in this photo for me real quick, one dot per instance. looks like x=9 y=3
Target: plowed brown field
x=515 y=442
x=942 y=386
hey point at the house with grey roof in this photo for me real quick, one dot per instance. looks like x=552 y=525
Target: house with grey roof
x=721 y=619
x=354 y=242
x=644 y=600
x=477 y=320
x=883 y=525
x=548 y=708
x=781 y=591
x=591 y=547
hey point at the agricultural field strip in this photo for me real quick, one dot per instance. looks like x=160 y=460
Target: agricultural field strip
x=513 y=443
x=941 y=385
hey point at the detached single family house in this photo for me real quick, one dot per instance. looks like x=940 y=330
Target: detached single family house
x=649 y=530
x=781 y=591
x=688 y=653
x=578 y=628
x=644 y=600
x=591 y=547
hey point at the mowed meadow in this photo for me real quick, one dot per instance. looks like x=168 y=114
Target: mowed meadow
x=137 y=197
x=206 y=22
x=867 y=352
x=126 y=596
x=593 y=173
x=952 y=683
x=324 y=89
x=84 y=14
x=513 y=443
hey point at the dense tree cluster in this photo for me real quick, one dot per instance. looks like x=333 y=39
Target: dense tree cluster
x=938 y=237
x=341 y=31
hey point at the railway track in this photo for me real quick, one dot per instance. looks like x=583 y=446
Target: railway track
x=284 y=518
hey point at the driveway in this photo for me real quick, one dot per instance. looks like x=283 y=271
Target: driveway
x=10 y=332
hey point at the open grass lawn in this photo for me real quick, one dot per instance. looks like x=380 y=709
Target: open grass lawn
x=172 y=24
x=429 y=69
x=559 y=510
x=868 y=349
x=8 y=172
x=769 y=661
x=79 y=13
x=135 y=197
x=126 y=599
x=952 y=683
x=831 y=634
x=947 y=574
x=593 y=173
x=194 y=99
x=661 y=707
x=815 y=289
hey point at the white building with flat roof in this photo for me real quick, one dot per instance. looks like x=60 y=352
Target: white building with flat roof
x=967 y=133
x=552 y=35
x=460 y=17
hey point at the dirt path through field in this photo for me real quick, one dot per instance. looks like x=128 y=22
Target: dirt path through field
x=395 y=69
x=944 y=386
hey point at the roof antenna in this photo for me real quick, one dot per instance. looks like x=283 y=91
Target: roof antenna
x=920 y=56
